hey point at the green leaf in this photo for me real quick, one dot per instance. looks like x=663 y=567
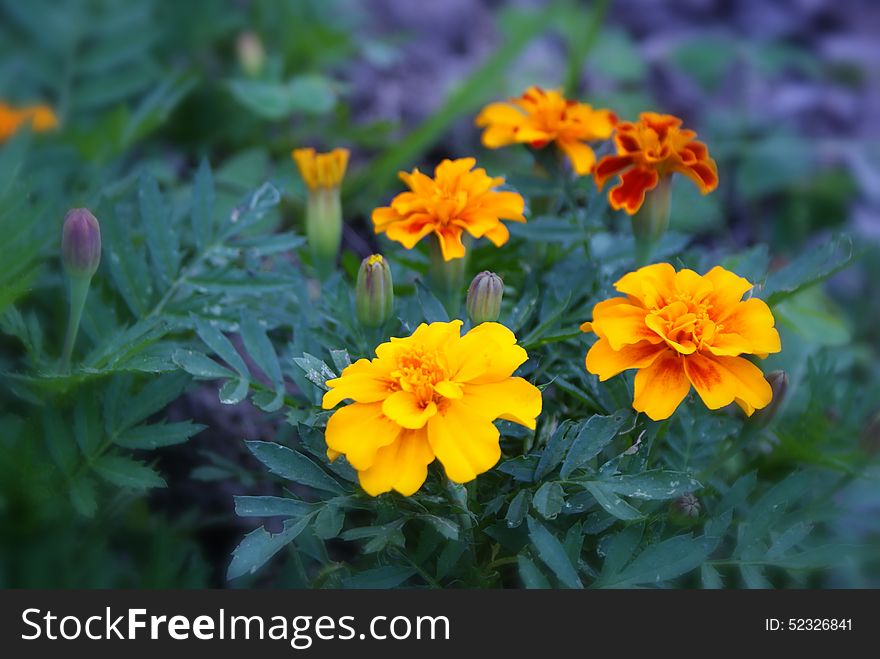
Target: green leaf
x=312 y=94
x=552 y=553
x=658 y=484
x=444 y=527
x=259 y=546
x=158 y=434
x=328 y=522
x=200 y=365
x=519 y=506
x=808 y=269
x=161 y=235
x=555 y=450
x=260 y=348
x=548 y=500
x=710 y=577
x=293 y=466
x=203 y=206
x=125 y=472
x=83 y=496
x=591 y=438
x=611 y=502
x=531 y=576
x=247 y=506
x=432 y=309
x=222 y=346
x=317 y=372
x=666 y=560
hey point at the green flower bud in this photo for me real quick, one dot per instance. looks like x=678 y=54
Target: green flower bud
x=649 y=224
x=779 y=384
x=484 y=298
x=81 y=243
x=251 y=54
x=374 y=291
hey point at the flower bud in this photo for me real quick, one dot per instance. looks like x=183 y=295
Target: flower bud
x=649 y=224
x=374 y=291
x=251 y=54
x=688 y=505
x=779 y=384
x=81 y=243
x=484 y=298
x=323 y=174
x=870 y=440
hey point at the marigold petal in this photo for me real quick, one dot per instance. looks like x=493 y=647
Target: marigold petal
x=610 y=166
x=450 y=242
x=487 y=353
x=623 y=324
x=753 y=321
x=411 y=230
x=605 y=362
x=752 y=387
x=401 y=466
x=449 y=389
x=704 y=173
x=728 y=289
x=363 y=387
x=714 y=383
x=498 y=235
x=586 y=326
x=581 y=156
x=405 y=409
x=652 y=284
x=660 y=388
x=465 y=443
x=629 y=194
x=513 y=399
x=358 y=431
x=500 y=113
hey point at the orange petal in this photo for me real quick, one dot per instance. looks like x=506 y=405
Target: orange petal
x=401 y=466
x=629 y=194
x=405 y=409
x=610 y=166
x=623 y=324
x=753 y=321
x=605 y=362
x=581 y=156
x=715 y=385
x=660 y=388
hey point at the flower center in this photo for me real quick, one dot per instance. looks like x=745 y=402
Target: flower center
x=687 y=320
x=418 y=370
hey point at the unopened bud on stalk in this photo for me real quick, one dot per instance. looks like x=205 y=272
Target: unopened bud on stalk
x=484 y=298
x=649 y=224
x=251 y=54
x=779 y=384
x=688 y=505
x=81 y=243
x=374 y=291
x=323 y=174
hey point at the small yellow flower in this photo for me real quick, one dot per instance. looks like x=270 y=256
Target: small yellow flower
x=40 y=117
x=321 y=170
x=681 y=329
x=434 y=394
x=649 y=150
x=539 y=117
x=459 y=198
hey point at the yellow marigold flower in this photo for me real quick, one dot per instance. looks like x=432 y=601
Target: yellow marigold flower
x=459 y=198
x=431 y=395
x=40 y=117
x=321 y=170
x=681 y=329
x=539 y=117
x=649 y=149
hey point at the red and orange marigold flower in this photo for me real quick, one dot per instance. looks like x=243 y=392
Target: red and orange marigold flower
x=459 y=198
x=681 y=329
x=432 y=395
x=40 y=117
x=540 y=117
x=654 y=147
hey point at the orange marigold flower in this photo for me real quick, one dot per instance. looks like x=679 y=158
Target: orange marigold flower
x=539 y=117
x=40 y=117
x=681 y=329
x=321 y=170
x=459 y=198
x=431 y=395
x=649 y=149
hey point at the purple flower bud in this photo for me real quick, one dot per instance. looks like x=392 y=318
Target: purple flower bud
x=81 y=243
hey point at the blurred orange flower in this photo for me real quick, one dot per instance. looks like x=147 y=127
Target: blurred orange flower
x=681 y=329
x=40 y=117
x=539 y=117
x=653 y=147
x=459 y=198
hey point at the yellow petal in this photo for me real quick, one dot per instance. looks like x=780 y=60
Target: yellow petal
x=581 y=156
x=401 y=466
x=660 y=388
x=359 y=430
x=753 y=321
x=464 y=442
x=623 y=324
x=586 y=326
x=752 y=387
x=652 y=284
x=728 y=288
x=487 y=353
x=513 y=399
x=363 y=382
x=405 y=409
x=712 y=381
x=448 y=389
x=605 y=362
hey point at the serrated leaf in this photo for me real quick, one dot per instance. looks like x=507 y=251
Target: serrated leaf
x=811 y=267
x=387 y=576
x=259 y=546
x=531 y=576
x=593 y=436
x=444 y=527
x=222 y=346
x=552 y=553
x=548 y=500
x=341 y=359
x=666 y=560
x=328 y=522
x=83 y=496
x=293 y=466
x=555 y=450
x=161 y=236
x=317 y=372
x=653 y=485
x=260 y=348
x=125 y=472
x=200 y=365
x=519 y=506
x=265 y=506
x=203 y=205
x=612 y=503
x=158 y=434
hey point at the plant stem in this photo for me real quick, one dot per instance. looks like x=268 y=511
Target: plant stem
x=79 y=291
x=447 y=278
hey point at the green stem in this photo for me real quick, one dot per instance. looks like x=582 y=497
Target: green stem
x=79 y=291
x=447 y=278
